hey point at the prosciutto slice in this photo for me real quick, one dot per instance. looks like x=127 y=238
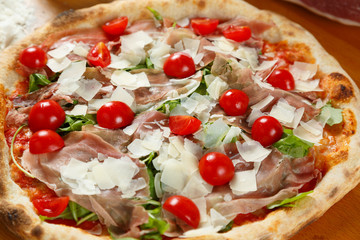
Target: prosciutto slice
x=278 y=178
x=121 y=214
x=345 y=11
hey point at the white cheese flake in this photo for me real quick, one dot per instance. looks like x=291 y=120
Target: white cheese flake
x=263 y=103
x=58 y=65
x=88 y=88
x=62 y=51
x=311 y=131
x=243 y=182
x=78 y=110
x=252 y=151
x=303 y=71
x=129 y=81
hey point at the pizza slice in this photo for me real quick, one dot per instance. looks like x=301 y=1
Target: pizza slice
x=208 y=120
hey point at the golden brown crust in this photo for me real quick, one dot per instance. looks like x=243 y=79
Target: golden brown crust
x=16 y=210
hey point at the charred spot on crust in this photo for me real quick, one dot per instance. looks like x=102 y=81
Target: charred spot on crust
x=338 y=87
x=337 y=76
x=346 y=173
x=71 y=16
x=37 y=231
x=333 y=192
x=14 y=216
x=201 y=4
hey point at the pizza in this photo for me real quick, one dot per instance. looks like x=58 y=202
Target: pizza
x=173 y=119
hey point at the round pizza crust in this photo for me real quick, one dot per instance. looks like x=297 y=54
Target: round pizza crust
x=17 y=212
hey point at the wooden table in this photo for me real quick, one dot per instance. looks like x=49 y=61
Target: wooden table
x=342 y=221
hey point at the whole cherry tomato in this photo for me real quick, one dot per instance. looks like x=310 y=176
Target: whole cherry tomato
x=266 y=130
x=183 y=208
x=51 y=207
x=179 y=65
x=283 y=79
x=114 y=115
x=216 y=168
x=237 y=33
x=183 y=124
x=116 y=26
x=33 y=57
x=204 y=26
x=234 y=102
x=99 y=55
x=46 y=114
x=45 y=141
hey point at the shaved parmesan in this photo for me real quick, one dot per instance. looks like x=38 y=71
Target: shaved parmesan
x=255 y=114
x=216 y=88
x=173 y=175
x=96 y=104
x=307 y=86
x=78 y=110
x=101 y=177
x=243 y=182
x=310 y=131
x=183 y=22
x=58 y=65
x=215 y=133
x=217 y=220
x=119 y=62
x=157 y=185
x=88 y=89
x=263 y=103
x=129 y=81
x=158 y=54
x=266 y=65
x=195 y=187
x=62 y=51
x=122 y=95
x=252 y=151
x=303 y=71
x=81 y=49
x=283 y=111
x=73 y=72
x=233 y=132
x=137 y=149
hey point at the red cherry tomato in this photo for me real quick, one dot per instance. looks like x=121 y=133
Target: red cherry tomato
x=204 y=26
x=183 y=124
x=266 y=130
x=183 y=208
x=234 y=102
x=99 y=55
x=237 y=33
x=33 y=57
x=45 y=141
x=116 y=26
x=114 y=115
x=179 y=65
x=51 y=207
x=216 y=168
x=283 y=79
x=46 y=114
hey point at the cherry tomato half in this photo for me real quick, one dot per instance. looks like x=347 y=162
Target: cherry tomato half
x=33 y=57
x=237 y=33
x=45 y=141
x=183 y=208
x=99 y=55
x=51 y=207
x=216 y=168
x=46 y=114
x=204 y=26
x=266 y=130
x=183 y=124
x=234 y=102
x=116 y=26
x=283 y=79
x=114 y=115
x=179 y=65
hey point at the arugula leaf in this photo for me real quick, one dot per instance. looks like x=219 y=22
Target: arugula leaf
x=167 y=106
x=156 y=14
x=289 y=201
x=154 y=223
x=293 y=146
x=334 y=113
x=147 y=65
x=202 y=87
x=74 y=212
x=227 y=228
x=74 y=123
x=37 y=79
x=151 y=172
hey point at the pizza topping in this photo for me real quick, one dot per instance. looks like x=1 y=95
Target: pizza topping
x=234 y=102
x=51 y=207
x=311 y=131
x=237 y=33
x=33 y=57
x=266 y=130
x=36 y=80
x=330 y=115
x=183 y=208
x=204 y=26
x=45 y=141
x=46 y=114
x=289 y=201
x=116 y=26
x=184 y=125
x=179 y=65
x=114 y=115
x=216 y=168
x=99 y=55
x=282 y=79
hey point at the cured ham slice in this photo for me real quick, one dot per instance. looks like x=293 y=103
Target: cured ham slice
x=121 y=214
x=346 y=11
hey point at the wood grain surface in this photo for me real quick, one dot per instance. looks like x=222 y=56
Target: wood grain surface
x=342 y=221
